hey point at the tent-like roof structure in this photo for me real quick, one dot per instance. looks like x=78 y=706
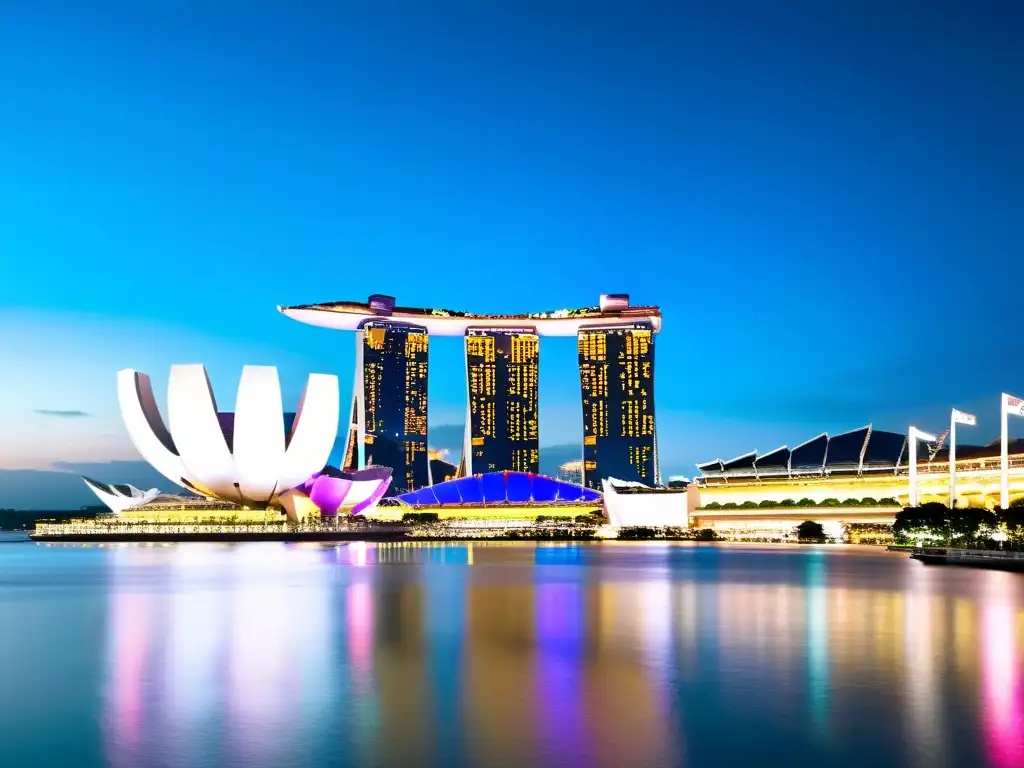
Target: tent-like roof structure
x=845 y=450
x=500 y=488
x=856 y=452
x=773 y=463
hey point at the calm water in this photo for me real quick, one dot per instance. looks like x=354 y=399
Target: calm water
x=504 y=655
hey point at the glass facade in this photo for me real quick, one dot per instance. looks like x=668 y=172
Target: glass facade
x=501 y=366
x=617 y=384
x=395 y=402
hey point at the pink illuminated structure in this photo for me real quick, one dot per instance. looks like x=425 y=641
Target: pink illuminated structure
x=330 y=491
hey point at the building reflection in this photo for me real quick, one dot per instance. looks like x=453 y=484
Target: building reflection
x=921 y=647
x=559 y=672
x=197 y=650
x=817 y=645
x=1002 y=692
x=128 y=648
x=498 y=654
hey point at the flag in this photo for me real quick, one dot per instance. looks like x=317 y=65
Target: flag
x=960 y=417
x=1013 y=405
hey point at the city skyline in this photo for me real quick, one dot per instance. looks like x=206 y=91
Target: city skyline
x=801 y=203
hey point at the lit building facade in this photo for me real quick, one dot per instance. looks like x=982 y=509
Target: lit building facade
x=617 y=386
x=389 y=409
x=502 y=428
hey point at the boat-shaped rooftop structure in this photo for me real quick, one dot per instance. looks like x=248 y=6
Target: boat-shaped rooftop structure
x=614 y=309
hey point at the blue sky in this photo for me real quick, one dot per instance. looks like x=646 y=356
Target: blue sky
x=824 y=199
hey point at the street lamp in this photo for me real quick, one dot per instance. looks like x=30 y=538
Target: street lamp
x=1015 y=406
x=957 y=417
x=914 y=435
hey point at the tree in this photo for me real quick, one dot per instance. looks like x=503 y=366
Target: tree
x=888 y=501
x=1013 y=520
x=711 y=505
x=637 y=533
x=833 y=502
x=806 y=503
x=787 y=503
x=927 y=521
x=966 y=524
x=730 y=505
x=594 y=518
x=748 y=505
x=867 y=501
x=809 y=530
x=767 y=504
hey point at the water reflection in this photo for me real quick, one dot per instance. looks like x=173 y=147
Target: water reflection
x=559 y=671
x=817 y=622
x=499 y=654
x=1002 y=695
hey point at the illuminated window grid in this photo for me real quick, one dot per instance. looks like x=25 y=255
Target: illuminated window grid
x=640 y=456
x=371 y=394
x=593 y=345
x=525 y=459
x=594 y=379
x=416 y=397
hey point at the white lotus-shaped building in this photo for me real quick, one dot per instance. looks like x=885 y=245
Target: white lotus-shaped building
x=120 y=497
x=247 y=457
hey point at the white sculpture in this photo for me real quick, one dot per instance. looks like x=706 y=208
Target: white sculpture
x=120 y=497
x=246 y=458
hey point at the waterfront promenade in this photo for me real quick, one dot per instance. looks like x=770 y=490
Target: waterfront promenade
x=975 y=558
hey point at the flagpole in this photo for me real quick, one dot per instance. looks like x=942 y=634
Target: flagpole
x=914 y=435
x=1004 y=464
x=913 y=467
x=952 y=460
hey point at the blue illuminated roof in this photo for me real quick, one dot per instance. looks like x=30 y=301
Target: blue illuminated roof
x=500 y=488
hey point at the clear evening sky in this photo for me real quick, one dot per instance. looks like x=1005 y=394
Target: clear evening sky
x=824 y=198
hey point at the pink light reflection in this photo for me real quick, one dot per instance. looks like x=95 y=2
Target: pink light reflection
x=359 y=554
x=1001 y=688
x=360 y=630
x=129 y=643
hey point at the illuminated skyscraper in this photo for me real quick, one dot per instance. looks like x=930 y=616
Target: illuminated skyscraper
x=389 y=409
x=617 y=384
x=501 y=413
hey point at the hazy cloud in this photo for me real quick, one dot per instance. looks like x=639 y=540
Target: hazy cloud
x=61 y=413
